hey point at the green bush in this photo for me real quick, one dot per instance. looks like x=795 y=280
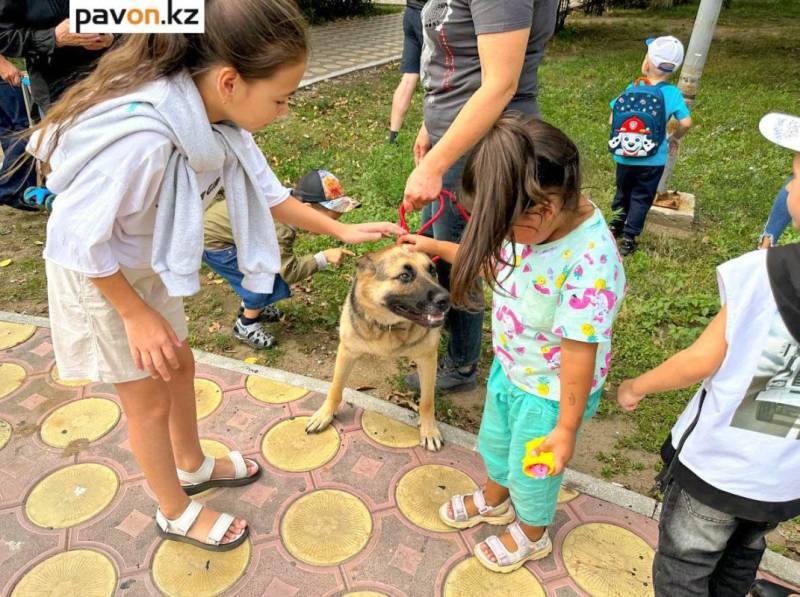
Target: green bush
x=326 y=10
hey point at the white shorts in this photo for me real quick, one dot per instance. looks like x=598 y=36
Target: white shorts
x=88 y=334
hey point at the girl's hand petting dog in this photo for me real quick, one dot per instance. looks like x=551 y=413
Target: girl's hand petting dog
x=418 y=242
x=354 y=234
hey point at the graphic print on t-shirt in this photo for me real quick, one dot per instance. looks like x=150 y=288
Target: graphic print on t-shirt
x=434 y=17
x=771 y=404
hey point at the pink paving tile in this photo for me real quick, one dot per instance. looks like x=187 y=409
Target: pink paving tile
x=241 y=420
x=278 y=588
x=33 y=401
x=367 y=467
x=134 y=523
x=257 y=494
x=44 y=349
x=407 y=559
x=346 y=419
x=591 y=509
x=21 y=545
x=228 y=380
x=22 y=463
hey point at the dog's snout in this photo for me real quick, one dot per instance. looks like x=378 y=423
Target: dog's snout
x=439 y=298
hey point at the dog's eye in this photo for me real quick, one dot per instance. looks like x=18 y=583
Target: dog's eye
x=406 y=277
x=432 y=270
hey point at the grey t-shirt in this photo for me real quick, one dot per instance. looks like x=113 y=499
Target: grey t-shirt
x=451 y=68
x=418 y=4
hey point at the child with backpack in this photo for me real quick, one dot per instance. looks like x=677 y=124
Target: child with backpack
x=639 y=141
x=731 y=461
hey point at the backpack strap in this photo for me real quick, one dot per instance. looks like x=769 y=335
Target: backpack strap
x=665 y=476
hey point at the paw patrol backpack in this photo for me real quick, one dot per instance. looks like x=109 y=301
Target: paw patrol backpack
x=639 y=121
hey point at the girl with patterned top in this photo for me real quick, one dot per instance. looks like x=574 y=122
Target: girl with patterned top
x=558 y=282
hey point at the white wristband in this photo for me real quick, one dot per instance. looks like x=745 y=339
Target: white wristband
x=322 y=263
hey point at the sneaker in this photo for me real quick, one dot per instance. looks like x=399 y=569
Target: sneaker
x=270 y=314
x=628 y=246
x=449 y=378
x=254 y=334
x=765 y=588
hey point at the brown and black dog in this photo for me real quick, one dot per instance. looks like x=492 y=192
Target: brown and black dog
x=395 y=308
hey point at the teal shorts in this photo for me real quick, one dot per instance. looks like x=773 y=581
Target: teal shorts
x=512 y=418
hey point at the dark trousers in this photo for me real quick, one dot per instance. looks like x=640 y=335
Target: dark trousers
x=13 y=119
x=636 y=190
x=705 y=552
x=465 y=327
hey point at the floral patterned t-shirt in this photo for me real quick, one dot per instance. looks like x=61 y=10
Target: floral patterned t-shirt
x=569 y=288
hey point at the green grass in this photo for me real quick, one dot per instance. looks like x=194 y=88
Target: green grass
x=753 y=68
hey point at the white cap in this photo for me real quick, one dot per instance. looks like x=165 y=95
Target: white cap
x=665 y=53
x=781 y=129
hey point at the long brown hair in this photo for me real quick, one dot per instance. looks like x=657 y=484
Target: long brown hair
x=256 y=37
x=505 y=175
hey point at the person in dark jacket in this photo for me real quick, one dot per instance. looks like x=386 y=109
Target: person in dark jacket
x=38 y=31
x=13 y=118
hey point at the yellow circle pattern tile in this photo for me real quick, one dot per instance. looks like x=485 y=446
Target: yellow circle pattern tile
x=77 y=573
x=185 y=570
x=389 y=432
x=273 y=392
x=88 y=419
x=326 y=527
x=12 y=334
x=566 y=494
x=424 y=489
x=288 y=447
x=71 y=495
x=471 y=579
x=213 y=448
x=605 y=559
x=5 y=433
x=208 y=396
x=11 y=378
x=70 y=383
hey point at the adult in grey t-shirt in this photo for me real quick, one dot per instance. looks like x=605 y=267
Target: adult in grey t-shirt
x=451 y=67
x=479 y=59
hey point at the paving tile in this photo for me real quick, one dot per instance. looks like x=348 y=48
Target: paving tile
x=22 y=545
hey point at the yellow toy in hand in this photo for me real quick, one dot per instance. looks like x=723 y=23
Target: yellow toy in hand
x=540 y=465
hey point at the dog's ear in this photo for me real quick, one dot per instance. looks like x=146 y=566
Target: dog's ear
x=366 y=264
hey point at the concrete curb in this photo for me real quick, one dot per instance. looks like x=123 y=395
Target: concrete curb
x=347 y=71
x=773 y=563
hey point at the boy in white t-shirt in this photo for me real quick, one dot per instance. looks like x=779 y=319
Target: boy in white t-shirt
x=733 y=458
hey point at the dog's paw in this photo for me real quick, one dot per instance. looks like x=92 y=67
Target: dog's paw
x=319 y=421
x=431 y=438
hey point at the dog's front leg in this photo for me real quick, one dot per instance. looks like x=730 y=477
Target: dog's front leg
x=430 y=437
x=344 y=365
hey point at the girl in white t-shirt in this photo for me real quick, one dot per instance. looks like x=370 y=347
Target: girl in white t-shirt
x=135 y=153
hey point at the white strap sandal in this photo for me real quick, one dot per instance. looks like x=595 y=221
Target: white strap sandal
x=508 y=561
x=200 y=480
x=177 y=529
x=501 y=514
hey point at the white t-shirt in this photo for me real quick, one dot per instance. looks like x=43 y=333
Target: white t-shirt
x=106 y=218
x=747 y=438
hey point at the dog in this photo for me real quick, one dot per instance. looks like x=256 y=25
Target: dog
x=395 y=308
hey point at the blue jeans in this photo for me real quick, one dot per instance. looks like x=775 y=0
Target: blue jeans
x=224 y=263
x=465 y=327
x=636 y=191
x=703 y=551
x=779 y=218
x=13 y=119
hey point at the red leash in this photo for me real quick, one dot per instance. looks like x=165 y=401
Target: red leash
x=445 y=194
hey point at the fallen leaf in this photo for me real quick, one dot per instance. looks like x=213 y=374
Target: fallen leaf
x=217 y=281
x=365 y=388
x=251 y=360
x=214 y=327
x=38 y=242
x=5 y=263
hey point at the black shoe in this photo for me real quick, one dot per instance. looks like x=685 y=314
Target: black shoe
x=616 y=231
x=628 y=246
x=449 y=378
x=765 y=588
x=270 y=314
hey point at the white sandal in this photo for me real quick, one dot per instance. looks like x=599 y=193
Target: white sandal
x=500 y=514
x=176 y=529
x=200 y=480
x=508 y=561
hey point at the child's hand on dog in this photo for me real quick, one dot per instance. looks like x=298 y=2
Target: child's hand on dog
x=335 y=256
x=418 y=242
x=354 y=234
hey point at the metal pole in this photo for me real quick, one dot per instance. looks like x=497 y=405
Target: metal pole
x=695 y=60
